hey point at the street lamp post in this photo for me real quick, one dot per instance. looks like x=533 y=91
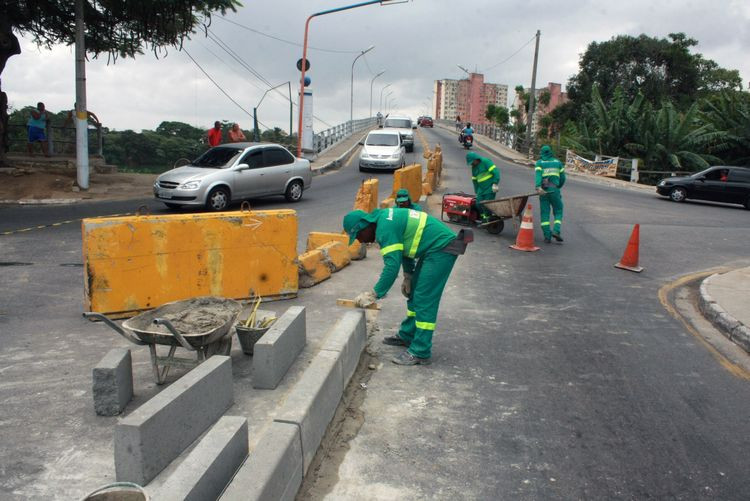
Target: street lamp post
x=351 y=99
x=256 y=131
x=387 y=94
x=371 y=82
x=380 y=103
x=304 y=60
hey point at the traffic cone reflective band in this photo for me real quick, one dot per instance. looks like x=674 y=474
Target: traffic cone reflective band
x=525 y=238
x=629 y=260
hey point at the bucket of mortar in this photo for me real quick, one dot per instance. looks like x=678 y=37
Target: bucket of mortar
x=248 y=336
x=118 y=491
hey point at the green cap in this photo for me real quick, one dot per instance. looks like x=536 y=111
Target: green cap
x=402 y=195
x=358 y=220
x=471 y=156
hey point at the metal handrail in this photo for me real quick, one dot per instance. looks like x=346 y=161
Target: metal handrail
x=59 y=139
x=329 y=137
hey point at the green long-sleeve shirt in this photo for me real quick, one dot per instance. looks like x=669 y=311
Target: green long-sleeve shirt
x=405 y=235
x=484 y=174
x=548 y=167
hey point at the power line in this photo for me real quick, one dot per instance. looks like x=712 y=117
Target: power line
x=511 y=56
x=335 y=51
x=220 y=88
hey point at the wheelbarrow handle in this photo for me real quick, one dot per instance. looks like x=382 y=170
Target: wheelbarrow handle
x=98 y=316
x=166 y=323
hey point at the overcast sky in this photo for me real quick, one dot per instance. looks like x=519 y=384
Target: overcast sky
x=415 y=43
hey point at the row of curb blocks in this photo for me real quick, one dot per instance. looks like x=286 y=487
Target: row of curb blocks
x=727 y=324
x=275 y=469
x=326 y=253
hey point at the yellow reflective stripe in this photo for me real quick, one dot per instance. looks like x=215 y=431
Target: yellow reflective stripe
x=545 y=223
x=484 y=177
x=491 y=168
x=537 y=168
x=557 y=221
x=473 y=178
x=418 y=235
x=562 y=170
x=410 y=313
x=391 y=248
x=426 y=326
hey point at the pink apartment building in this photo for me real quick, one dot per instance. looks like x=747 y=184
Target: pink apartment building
x=467 y=98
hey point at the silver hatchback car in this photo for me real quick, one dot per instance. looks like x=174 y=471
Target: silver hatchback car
x=233 y=172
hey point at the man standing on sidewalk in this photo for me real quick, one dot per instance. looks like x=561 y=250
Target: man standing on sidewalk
x=214 y=135
x=427 y=250
x=550 y=178
x=485 y=177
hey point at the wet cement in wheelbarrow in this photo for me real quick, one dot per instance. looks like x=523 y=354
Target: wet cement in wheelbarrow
x=195 y=316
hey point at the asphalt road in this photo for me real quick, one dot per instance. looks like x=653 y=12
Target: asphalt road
x=557 y=376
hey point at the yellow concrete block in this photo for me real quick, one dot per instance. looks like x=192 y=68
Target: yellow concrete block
x=312 y=268
x=409 y=177
x=335 y=255
x=367 y=196
x=136 y=263
x=316 y=239
x=387 y=202
x=426 y=189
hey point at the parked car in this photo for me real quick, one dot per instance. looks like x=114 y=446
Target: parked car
x=233 y=172
x=403 y=126
x=718 y=184
x=427 y=122
x=382 y=149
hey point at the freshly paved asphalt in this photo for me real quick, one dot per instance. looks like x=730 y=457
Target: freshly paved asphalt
x=557 y=376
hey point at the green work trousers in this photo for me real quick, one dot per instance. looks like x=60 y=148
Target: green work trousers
x=552 y=199
x=481 y=196
x=427 y=282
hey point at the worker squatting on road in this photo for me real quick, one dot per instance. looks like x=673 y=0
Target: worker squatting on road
x=486 y=177
x=550 y=178
x=403 y=200
x=427 y=250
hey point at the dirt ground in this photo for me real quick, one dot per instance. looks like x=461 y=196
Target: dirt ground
x=29 y=184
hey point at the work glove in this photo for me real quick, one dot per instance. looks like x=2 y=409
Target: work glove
x=494 y=188
x=365 y=299
x=406 y=286
x=540 y=191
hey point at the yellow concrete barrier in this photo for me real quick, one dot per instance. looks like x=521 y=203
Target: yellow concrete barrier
x=136 y=263
x=316 y=239
x=367 y=196
x=335 y=255
x=409 y=177
x=312 y=268
x=387 y=202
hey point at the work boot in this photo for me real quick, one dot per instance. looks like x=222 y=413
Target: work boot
x=395 y=341
x=557 y=237
x=406 y=358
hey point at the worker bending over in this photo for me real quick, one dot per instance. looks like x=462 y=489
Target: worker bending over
x=427 y=250
x=550 y=178
x=486 y=178
x=403 y=200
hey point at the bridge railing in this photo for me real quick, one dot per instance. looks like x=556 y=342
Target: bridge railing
x=326 y=138
x=60 y=140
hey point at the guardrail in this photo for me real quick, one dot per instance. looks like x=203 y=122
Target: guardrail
x=60 y=140
x=502 y=136
x=329 y=137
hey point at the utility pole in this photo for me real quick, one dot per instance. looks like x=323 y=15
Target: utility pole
x=82 y=115
x=532 y=99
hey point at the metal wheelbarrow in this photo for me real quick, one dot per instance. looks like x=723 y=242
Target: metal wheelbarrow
x=506 y=208
x=201 y=325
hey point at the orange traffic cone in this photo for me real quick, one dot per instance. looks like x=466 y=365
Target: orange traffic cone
x=629 y=260
x=525 y=238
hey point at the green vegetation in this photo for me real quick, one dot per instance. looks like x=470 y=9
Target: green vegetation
x=655 y=100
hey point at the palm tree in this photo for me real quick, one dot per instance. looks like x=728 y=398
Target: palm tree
x=729 y=117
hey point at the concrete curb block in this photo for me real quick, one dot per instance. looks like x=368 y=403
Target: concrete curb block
x=113 y=382
x=349 y=338
x=732 y=328
x=210 y=465
x=337 y=163
x=273 y=470
x=42 y=201
x=152 y=436
x=277 y=350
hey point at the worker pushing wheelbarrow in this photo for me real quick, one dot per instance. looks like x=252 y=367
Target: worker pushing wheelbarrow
x=464 y=209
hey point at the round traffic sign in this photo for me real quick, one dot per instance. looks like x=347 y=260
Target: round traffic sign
x=307 y=64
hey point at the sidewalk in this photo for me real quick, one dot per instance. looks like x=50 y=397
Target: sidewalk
x=724 y=299
x=337 y=155
x=516 y=157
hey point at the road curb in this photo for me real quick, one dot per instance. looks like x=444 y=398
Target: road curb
x=732 y=328
x=340 y=161
x=42 y=201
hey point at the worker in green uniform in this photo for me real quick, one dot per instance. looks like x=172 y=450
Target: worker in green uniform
x=486 y=177
x=403 y=200
x=427 y=250
x=550 y=178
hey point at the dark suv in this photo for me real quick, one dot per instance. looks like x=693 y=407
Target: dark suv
x=718 y=184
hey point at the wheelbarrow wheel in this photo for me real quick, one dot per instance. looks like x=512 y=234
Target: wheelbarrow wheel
x=495 y=227
x=221 y=347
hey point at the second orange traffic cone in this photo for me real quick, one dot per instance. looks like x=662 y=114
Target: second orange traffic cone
x=525 y=238
x=629 y=259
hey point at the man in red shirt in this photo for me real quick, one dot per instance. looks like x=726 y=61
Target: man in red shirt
x=214 y=135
